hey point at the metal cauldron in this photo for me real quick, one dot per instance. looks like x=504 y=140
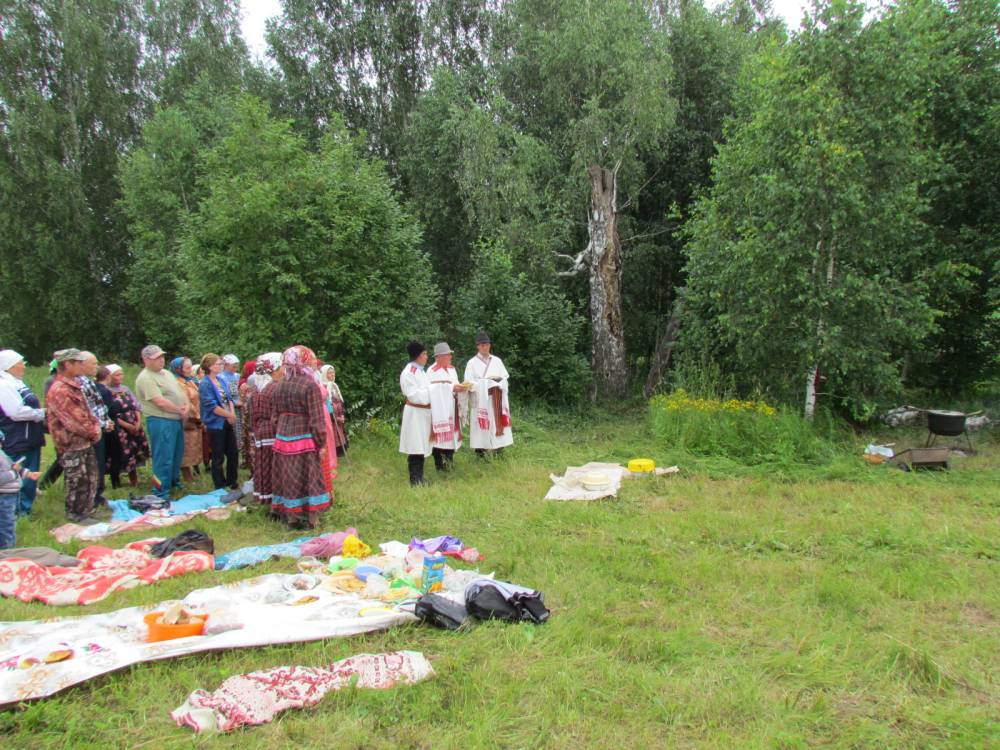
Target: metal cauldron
x=946 y=423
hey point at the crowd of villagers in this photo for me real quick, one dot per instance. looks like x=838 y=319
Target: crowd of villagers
x=282 y=418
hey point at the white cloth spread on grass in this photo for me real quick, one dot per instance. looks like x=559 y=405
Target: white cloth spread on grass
x=570 y=485
x=107 y=642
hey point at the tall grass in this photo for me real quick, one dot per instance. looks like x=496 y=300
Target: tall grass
x=750 y=432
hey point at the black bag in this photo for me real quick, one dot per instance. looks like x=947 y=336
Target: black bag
x=440 y=612
x=147 y=503
x=497 y=600
x=186 y=541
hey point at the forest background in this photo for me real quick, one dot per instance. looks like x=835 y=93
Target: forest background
x=621 y=192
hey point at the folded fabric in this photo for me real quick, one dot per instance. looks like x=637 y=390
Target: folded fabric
x=193 y=503
x=451 y=546
x=439 y=545
x=153 y=520
x=247 y=556
x=41 y=555
x=101 y=571
x=186 y=541
x=257 y=697
x=328 y=545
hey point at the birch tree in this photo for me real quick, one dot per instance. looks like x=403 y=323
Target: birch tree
x=591 y=79
x=805 y=259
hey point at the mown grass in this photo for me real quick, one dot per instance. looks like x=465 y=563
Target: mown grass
x=728 y=606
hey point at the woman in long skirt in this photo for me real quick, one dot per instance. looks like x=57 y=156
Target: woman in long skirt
x=301 y=486
x=267 y=375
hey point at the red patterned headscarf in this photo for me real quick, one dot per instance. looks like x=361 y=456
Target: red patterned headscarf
x=248 y=368
x=298 y=360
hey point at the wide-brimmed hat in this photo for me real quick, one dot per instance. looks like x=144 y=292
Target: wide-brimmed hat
x=483 y=338
x=441 y=348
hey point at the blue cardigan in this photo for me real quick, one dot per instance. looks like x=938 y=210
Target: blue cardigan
x=210 y=399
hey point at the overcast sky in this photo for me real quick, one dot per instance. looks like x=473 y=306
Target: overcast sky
x=256 y=12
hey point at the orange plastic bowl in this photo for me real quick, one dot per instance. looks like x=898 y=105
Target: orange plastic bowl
x=160 y=632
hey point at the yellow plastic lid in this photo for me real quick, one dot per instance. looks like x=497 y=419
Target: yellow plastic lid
x=641 y=465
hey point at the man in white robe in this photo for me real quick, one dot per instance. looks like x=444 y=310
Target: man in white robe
x=446 y=395
x=489 y=409
x=415 y=430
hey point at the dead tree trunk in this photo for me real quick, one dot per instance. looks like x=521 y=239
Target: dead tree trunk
x=608 y=353
x=664 y=348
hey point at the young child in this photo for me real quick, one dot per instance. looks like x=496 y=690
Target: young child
x=11 y=475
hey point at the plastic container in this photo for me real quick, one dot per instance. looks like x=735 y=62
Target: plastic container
x=160 y=632
x=342 y=563
x=641 y=465
x=432 y=578
x=363 y=571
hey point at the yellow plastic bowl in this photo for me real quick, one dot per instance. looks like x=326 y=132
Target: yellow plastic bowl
x=641 y=465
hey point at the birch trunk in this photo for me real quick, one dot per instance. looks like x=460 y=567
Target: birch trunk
x=813 y=374
x=608 y=353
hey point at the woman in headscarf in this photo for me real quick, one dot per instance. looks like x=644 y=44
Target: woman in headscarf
x=335 y=406
x=267 y=374
x=244 y=392
x=302 y=475
x=128 y=426
x=22 y=420
x=181 y=368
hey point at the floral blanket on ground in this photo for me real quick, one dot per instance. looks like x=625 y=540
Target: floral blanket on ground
x=39 y=658
x=257 y=697
x=154 y=519
x=103 y=571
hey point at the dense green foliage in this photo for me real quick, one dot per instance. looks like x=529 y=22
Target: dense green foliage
x=826 y=197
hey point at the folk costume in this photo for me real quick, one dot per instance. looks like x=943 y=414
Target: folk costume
x=261 y=429
x=415 y=430
x=446 y=410
x=301 y=470
x=192 y=425
x=489 y=408
x=336 y=408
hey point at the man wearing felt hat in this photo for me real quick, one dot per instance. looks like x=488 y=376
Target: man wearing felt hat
x=415 y=430
x=447 y=398
x=489 y=408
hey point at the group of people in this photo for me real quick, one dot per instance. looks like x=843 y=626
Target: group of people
x=437 y=405
x=284 y=415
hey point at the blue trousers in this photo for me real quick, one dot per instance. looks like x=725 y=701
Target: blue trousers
x=166 y=442
x=8 y=518
x=26 y=497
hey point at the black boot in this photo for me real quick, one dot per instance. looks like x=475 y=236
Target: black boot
x=439 y=459
x=416 y=466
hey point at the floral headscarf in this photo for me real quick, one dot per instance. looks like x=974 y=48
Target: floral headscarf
x=265 y=366
x=330 y=385
x=299 y=360
x=176 y=366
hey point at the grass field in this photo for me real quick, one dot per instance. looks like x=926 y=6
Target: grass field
x=849 y=606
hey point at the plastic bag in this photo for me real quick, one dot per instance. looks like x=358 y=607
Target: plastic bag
x=441 y=612
x=498 y=600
